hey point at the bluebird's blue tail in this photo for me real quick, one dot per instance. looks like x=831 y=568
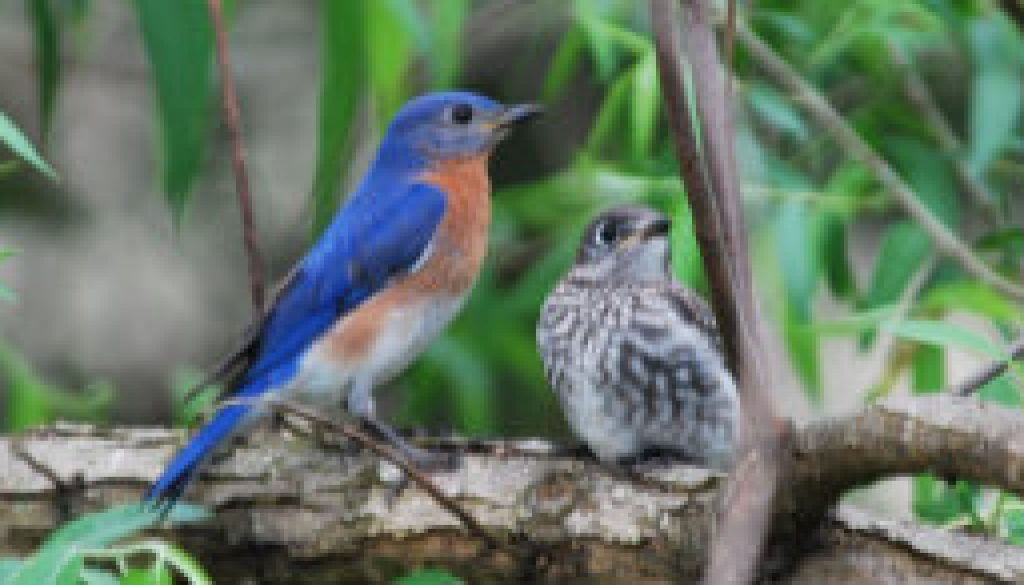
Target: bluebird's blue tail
x=170 y=485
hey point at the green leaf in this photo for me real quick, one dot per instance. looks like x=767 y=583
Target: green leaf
x=902 y=253
x=971 y=296
x=929 y=175
x=185 y=564
x=1013 y=522
x=12 y=137
x=1002 y=390
x=429 y=577
x=46 y=36
x=857 y=323
x=803 y=347
x=96 y=530
x=563 y=64
x=835 y=258
x=389 y=53
x=777 y=111
x=8 y=566
x=943 y=334
x=995 y=91
x=797 y=258
x=92 y=576
x=644 y=106
x=934 y=500
x=178 y=42
x=928 y=369
x=343 y=74
x=615 y=101
x=447 y=18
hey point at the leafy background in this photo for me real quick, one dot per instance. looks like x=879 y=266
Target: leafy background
x=129 y=274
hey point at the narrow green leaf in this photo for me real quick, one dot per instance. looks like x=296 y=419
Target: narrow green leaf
x=343 y=65
x=1013 y=522
x=137 y=576
x=934 y=500
x=797 y=257
x=929 y=175
x=46 y=33
x=943 y=334
x=185 y=564
x=928 y=369
x=92 y=576
x=93 y=531
x=835 y=258
x=1003 y=390
x=776 y=111
x=563 y=64
x=903 y=250
x=615 y=101
x=13 y=138
x=178 y=41
x=389 y=53
x=447 y=18
x=996 y=91
x=644 y=106
x=429 y=577
x=972 y=296
x=857 y=323
x=803 y=347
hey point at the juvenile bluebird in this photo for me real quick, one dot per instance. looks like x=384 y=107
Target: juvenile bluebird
x=636 y=358
x=393 y=268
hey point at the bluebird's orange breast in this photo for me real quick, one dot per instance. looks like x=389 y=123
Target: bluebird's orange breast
x=438 y=288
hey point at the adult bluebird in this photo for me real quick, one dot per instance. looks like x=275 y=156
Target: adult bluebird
x=392 y=269
x=634 y=357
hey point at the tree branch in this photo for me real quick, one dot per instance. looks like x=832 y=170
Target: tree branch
x=708 y=166
x=289 y=511
x=233 y=121
x=818 y=107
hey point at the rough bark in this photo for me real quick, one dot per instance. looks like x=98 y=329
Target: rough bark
x=290 y=511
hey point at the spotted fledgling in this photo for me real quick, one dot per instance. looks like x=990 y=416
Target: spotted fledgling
x=634 y=357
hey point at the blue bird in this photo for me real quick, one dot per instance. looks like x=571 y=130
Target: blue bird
x=388 y=274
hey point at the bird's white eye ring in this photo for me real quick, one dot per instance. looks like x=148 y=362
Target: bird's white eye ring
x=607 y=233
x=461 y=114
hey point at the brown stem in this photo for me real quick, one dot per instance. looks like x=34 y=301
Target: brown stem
x=233 y=121
x=990 y=372
x=709 y=171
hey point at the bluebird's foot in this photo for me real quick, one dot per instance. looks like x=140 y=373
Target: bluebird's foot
x=420 y=458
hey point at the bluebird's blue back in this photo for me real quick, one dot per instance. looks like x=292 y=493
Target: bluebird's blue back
x=389 y=272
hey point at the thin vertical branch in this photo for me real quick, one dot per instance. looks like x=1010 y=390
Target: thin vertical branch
x=708 y=166
x=233 y=121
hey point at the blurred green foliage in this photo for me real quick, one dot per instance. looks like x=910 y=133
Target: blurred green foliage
x=85 y=552
x=807 y=199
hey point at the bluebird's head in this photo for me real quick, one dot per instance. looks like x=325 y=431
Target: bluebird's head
x=625 y=244
x=453 y=125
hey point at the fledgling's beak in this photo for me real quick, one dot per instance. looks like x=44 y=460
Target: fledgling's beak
x=518 y=114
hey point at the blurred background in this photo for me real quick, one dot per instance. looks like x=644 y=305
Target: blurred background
x=123 y=276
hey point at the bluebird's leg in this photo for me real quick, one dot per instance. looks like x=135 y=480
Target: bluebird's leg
x=360 y=405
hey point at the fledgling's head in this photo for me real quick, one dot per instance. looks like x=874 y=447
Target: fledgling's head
x=625 y=245
x=454 y=125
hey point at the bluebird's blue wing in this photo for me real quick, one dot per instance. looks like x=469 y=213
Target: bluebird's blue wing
x=374 y=239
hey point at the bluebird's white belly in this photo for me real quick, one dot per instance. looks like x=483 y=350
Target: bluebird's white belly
x=401 y=334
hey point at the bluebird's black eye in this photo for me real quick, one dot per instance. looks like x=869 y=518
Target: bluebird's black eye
x=462 y=113
x=607 y=233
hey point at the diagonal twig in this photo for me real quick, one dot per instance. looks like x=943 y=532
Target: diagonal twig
x=826 y=116
x=975 y=381
x=232 y=119
x=918 y=93
x=380 y=449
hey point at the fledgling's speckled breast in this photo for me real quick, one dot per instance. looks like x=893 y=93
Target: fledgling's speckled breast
x=638 y=367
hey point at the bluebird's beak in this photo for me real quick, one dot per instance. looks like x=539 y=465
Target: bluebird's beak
x=517 y=114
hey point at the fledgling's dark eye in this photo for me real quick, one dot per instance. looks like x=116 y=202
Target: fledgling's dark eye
x=462 y=113
x=607 y=233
